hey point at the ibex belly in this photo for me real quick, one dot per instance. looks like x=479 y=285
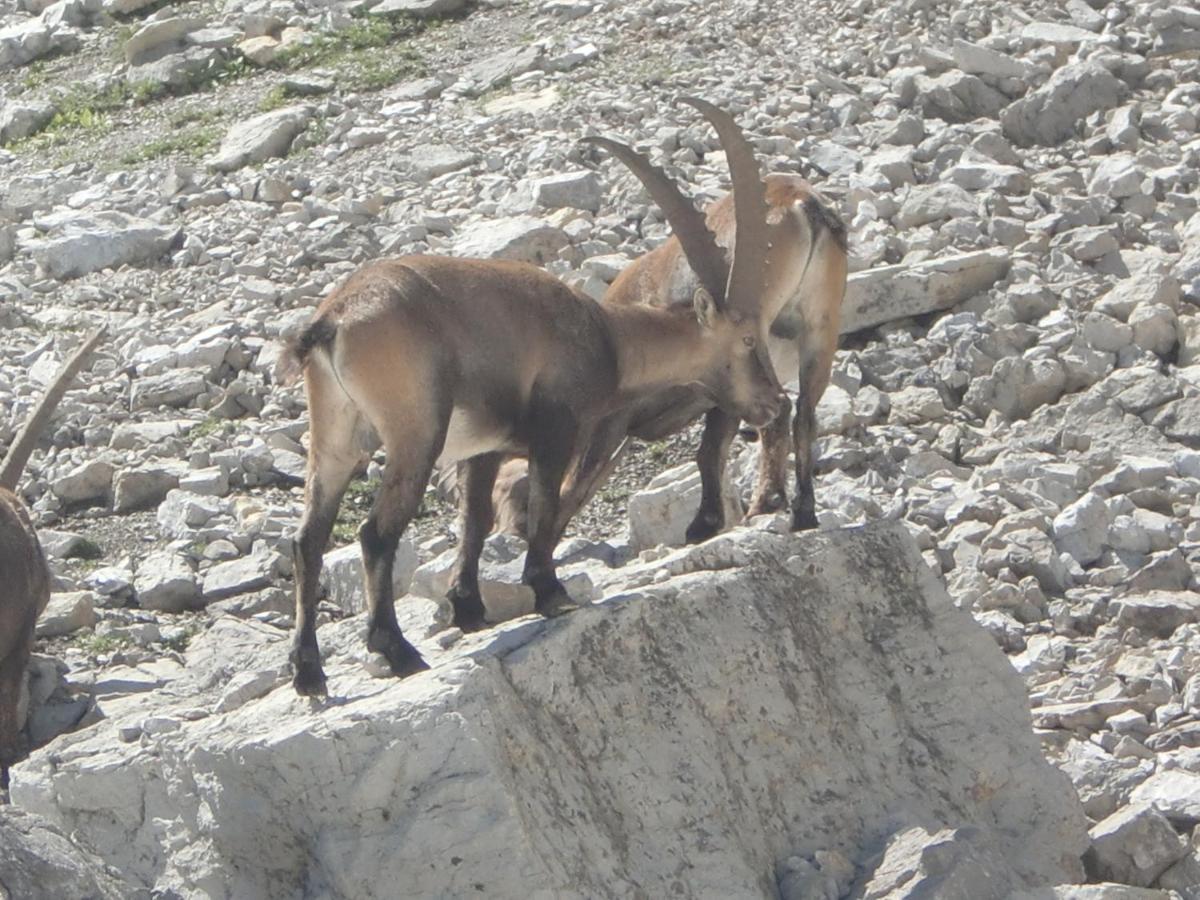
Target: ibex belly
x=470 y=433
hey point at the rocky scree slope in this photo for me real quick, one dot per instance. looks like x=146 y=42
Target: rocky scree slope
x=1021 y=186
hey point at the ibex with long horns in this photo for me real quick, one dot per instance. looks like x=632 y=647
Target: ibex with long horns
x=24 y=577
x=466 y=361
x=800 y=292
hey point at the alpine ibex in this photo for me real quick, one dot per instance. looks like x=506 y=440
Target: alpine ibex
x=24 y=577
x=801 y=295
x=466 y=361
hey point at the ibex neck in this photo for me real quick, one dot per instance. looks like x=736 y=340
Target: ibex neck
x=656 y=348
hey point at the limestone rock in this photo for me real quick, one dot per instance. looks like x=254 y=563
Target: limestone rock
x=67 y=613
x=1049 y=114
x=260 y=138
x=813 y=631
x=889 y=292
x=38 y=860
x=78 y=243
x=1134 y=846
x=522 y=238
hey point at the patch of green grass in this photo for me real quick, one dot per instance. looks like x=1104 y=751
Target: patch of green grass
x=356 y=503
x=368 y=55
x=36 y=75
x=87 y=549
x=99 y=644
x=179 y=642
x=275 y=98
x=209 y=427
x=194 y=115
x=191 y=143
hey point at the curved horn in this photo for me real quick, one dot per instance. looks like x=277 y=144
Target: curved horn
x=699 y=244
x=753 y=240
x=27 y=437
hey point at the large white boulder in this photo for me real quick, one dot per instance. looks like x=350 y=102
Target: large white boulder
x=732 y=706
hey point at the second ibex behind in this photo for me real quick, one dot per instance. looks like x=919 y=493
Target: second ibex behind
x=464 y=361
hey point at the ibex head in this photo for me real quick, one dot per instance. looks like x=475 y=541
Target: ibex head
x=728 y=303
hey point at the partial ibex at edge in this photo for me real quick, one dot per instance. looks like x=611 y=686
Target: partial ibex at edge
x=802 y=289
x=457 y=360
x=24 y=577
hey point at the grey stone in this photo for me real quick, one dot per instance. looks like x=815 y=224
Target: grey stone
x=37 y=859
x=1134 y=846
x=1176 y=794
x=156 y=38
x=1049 y=115
x=239 y=576
x=820 y=620
x=20 y=120
x=260 y=138
x=78 y=243
x=143 y=487
x=574 y=190
x=1082 y=528
x=67 y=613
x=342 y=575
x=432 y=160
x=958 y=97
x=890 y=292
x=165 y=582
x=498 y=69
x=924 y=204
x=941 y=865
x=91 y=480
x=421 y=9
x=979 y=60
x=1117 y=176
x=1158 y=612
x=522 y=238
x=175 y=387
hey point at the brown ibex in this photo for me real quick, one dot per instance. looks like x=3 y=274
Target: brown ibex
x=466 y=361
x=801 y=295
x=24 y=577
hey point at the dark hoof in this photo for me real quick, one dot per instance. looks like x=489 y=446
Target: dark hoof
x=556 y=604
x=308 y=677
x=763 y=506
x=804 y=520
x=704 y=526
x=469 y=614
x=402 y=656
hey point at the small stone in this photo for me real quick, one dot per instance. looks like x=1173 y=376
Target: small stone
x=1134 y=846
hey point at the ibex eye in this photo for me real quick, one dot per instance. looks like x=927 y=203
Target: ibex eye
x=749 y=341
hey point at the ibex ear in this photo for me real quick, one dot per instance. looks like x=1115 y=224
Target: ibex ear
x=706 y=308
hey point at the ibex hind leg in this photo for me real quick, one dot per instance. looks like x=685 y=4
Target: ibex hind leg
x=476 y=478
x=333 y=457
x=404 y=479
x=770 y=486
x=804 y=435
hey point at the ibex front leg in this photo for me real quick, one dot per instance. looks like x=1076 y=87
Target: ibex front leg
x=719 y=429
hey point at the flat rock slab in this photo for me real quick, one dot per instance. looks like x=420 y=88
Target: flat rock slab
x=892 y=292
x=1049 y=115
x=610 y=751
x=261 y=138
x=38 y=860
x=78 y=243
x=422 y=9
